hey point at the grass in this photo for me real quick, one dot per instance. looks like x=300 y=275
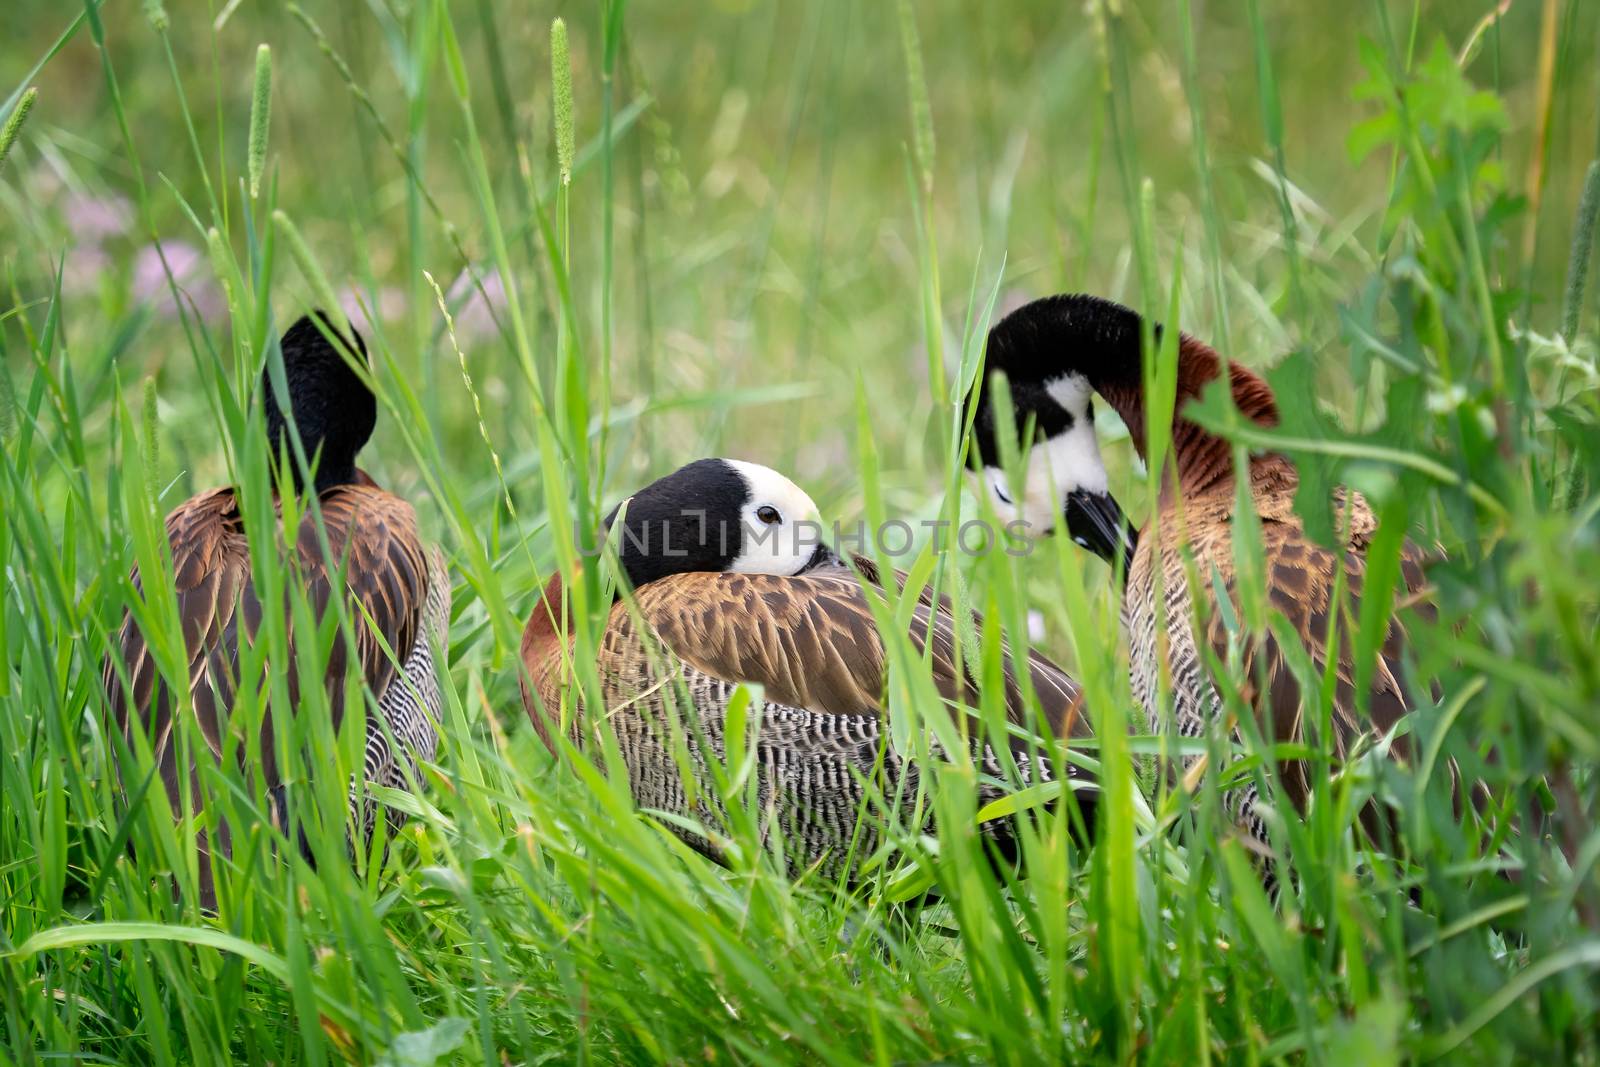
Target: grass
x=785 y=232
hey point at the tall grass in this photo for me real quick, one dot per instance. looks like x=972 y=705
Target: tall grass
x=541 y=345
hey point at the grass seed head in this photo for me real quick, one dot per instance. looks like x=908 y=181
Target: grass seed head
x=260 y=118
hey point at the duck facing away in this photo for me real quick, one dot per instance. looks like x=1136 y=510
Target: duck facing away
x=728 y=590
x=377 y=564
x=1059 y=350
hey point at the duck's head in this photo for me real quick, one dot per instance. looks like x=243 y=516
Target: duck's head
x=332 y=407
x=719 y=515
x=1065 y=475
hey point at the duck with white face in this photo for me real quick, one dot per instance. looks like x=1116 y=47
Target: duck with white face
x=732 y=584
x=1054 y=352
x=1065 y=475
x=719 y=515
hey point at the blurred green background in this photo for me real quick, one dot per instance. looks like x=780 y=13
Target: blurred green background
x=765 y=233
x=768 y=251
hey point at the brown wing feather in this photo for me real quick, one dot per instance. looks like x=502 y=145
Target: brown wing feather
x=373 y=536
x=211 y=566
x=811 y=642
x=385 y=573
x=1300 y=580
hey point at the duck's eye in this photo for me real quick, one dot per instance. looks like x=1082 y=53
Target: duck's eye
x=768 y=514
x=1000 y=491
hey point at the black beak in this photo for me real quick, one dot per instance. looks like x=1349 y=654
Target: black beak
x=1096 y=522
x=821 y=556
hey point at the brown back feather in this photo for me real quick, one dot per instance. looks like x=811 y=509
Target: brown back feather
x=386 y=574
x=810 y=641
x=1300 y=581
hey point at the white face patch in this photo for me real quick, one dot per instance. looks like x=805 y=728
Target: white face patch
x=1072 y=392
x=1057 y=467
x=783 y=547
x=1075 y=455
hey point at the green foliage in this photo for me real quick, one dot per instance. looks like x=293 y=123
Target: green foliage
x=260 y=118
x=1582 y=251
x=742 y=258
x=921 y=110
x=14 y=121
x=561 y=82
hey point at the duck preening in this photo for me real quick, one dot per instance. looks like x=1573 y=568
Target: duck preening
x=1055 y=352
x=729 y=587
x=376 y=563
x=1065 y=459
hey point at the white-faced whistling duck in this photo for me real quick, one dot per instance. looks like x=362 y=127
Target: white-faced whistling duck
x=1055 y=353
x=731 y=592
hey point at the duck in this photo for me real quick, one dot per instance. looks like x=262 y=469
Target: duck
x=731 y=584
x=1061 y=352
x=394 y=584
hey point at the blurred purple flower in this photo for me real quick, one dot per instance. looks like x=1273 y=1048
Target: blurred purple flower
x=389 y=305
x=84 y=268
x=1010 y=301
x=474 y=315
x=189 y=270
x=93 y=219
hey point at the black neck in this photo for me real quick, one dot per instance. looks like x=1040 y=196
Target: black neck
x=1072 y=334
x=1103 y=342
x=330 y=405
x=687 y=521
